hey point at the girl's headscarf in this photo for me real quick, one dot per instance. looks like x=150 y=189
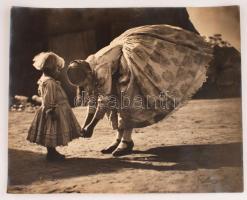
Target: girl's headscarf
x=40 y=59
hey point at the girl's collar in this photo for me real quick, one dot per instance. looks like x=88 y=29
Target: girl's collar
x=44 y=78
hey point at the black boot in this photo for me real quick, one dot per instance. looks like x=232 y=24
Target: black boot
x=124 y=151
x=111 y=148
x=54 y=155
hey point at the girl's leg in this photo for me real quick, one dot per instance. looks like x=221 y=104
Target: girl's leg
x=53 y=154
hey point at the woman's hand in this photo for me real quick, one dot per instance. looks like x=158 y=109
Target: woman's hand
x=87 y=131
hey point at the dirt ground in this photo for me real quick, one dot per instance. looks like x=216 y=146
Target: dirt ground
x=197 y=149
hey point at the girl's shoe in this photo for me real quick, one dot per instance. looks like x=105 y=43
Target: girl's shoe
x=111 y=148
x=124 y=151
x=55 y=156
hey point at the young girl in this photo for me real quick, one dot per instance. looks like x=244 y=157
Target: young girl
x=54 y=123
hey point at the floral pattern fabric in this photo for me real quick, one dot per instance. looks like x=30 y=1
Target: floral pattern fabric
x=150 y=61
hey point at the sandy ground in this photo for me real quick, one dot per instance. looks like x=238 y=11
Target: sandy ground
x=197 y=149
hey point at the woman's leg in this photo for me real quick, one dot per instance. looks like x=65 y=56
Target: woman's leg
x=120 y=133
x=126 y=145
x=127 y=136
x=114 y=144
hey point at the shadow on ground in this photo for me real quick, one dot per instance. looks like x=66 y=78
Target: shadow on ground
x=191 y=157
x=26 y=167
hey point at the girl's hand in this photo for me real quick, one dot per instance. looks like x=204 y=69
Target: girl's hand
x=52 y=114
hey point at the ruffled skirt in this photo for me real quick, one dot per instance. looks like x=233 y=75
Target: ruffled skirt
x=51 y=133
x=161 y=68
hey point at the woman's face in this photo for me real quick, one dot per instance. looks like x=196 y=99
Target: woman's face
x=87 y=83
x=80 y=77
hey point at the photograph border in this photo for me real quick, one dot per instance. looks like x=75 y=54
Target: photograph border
x=4 y=78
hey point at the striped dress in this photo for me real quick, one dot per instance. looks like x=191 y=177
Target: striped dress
x=46 y=131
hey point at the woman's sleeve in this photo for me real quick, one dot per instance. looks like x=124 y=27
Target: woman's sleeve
x=105 y=99
x=103 y=106
x=92 y=103
x=49 y=94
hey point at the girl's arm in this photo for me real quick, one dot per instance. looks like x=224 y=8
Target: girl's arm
x=37 y=99
x=49 y=98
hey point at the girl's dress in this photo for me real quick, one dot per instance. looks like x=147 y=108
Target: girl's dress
x=50 y=132
x=158 y=68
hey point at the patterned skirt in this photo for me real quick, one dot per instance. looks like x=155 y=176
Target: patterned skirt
x=51 y=133
x=161 y=68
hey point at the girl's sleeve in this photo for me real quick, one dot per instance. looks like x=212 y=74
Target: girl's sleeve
x=49 y=96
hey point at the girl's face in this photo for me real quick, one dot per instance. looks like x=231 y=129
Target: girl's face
x=52 y=67
x=55 y=73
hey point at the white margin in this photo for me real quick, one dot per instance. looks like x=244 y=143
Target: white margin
x=4 y=84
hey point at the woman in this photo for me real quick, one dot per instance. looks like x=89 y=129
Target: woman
x=140 y=78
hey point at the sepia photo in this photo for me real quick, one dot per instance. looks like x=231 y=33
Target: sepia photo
x=125 y=100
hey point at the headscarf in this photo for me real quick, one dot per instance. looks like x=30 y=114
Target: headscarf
x=40 y=59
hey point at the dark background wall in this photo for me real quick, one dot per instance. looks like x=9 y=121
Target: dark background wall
x=73 y=34
x=77 y=33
